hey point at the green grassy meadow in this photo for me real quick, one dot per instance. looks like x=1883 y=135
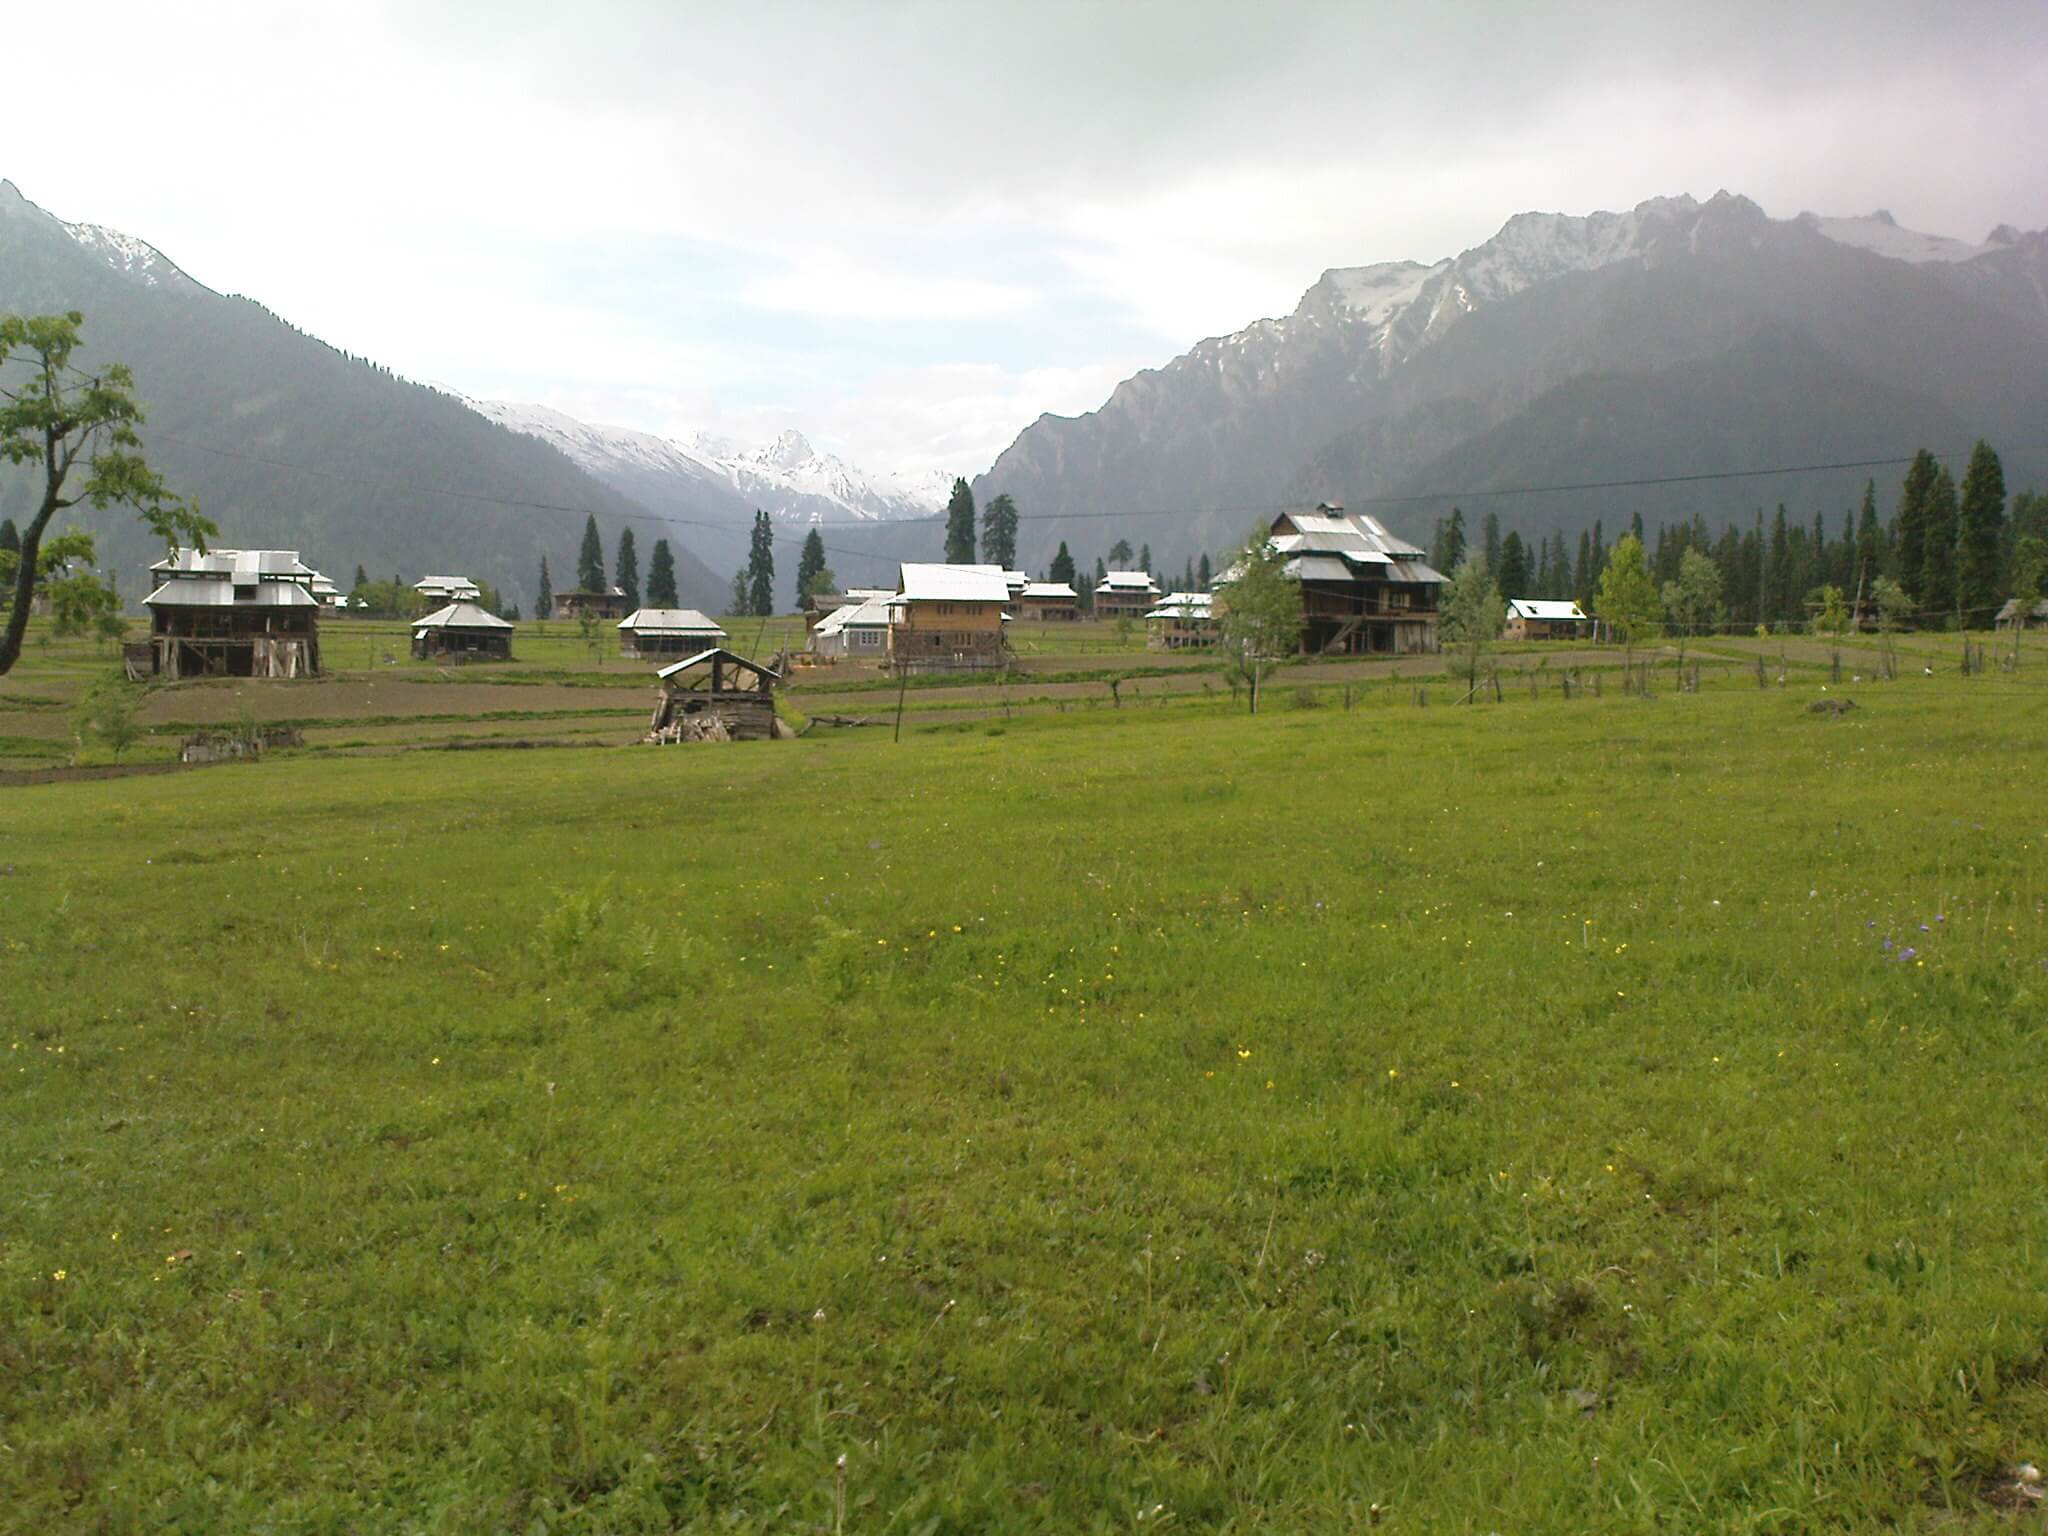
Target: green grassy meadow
x=1618 y=1114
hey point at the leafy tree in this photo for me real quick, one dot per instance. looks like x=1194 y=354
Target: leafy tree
x=545 y=608
x=1120 y=555
x=960 y=525
x=810 y=561
x=1627 y=603
x=1909 y=528
x=1894 y=608
x=1203 y=574
x=2029 y=569
x=10 y=538
x=1693 y=597
x=999 y=531
x=626 y=568
x=106 y=713
x=761 y=567
x=1470 y=616
x=1258 y=612
x=590 y=559
x=1983 y=531
x=59 y=419
x=1514 y=566
x=1062 y=568
x=742 y=593
x=1938 y=592
x=661 y=577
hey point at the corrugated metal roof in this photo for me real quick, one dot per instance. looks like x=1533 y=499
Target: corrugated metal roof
x=219 y=592
x=247 y=564
x=1319 y=568
x=1050 y=589
x=954 y=584
x=671 y=621
x=1544 y=608
x=461 y=616
x=1184 y=605
x=701 y=657
x=1127 y=581
x=871 y=614
x=452 y=586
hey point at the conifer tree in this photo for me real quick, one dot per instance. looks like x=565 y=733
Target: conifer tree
x=1982 y=533
x=1514 y=566
x=1451 y=551
x=761 y=567
x=10 y=541
x=1062 y=567
x=661 y=577
x=1938 y=592
x=1909 y=528
x=960 y=525
x=626 y=569
x=1490 y=535
x=1204 y=574
x=1120 y=555
x=1869 y=542
x=590 y=559
x=1145 y=558
x=362 y=576
x=1582 y=572
x=810 y=564
x=999 y=531
x=545 y=608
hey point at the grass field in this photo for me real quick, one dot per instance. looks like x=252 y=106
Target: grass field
x=1610 y=1115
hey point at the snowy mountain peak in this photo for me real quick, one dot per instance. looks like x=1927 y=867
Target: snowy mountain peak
x=1882 y=235
x=790 y=450
x=135 y=259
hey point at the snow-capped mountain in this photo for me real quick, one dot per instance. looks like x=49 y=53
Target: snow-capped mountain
x=1670 y=338
x=788 y=478
x=134 y=259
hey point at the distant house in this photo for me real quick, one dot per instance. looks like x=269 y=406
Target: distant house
x=1125 y=595
x=715 y=696
x=464 y=632
x=1536 y=618
x=326 y=593
x=576 y=603
x=667 y=632
x=438 y=590
x=821 y=605
x=1016 y=581
x=233 y=613
x=1047 y=601
x=1363 y=590
x=947 y=618
x=1181 y=621
x=2016 y=614
x=856 y=630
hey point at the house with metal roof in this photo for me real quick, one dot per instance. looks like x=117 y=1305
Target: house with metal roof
x=1181 y=621
x=854 y=630
x=668 y=632
x=576 y=603
x=948 y=618
x=438 y=590
x=1537 y=618
x=462 y=632
x=1125 y=595
x=715 y=695
x=1364 y=590
x=233 y=613
x=1047 y=601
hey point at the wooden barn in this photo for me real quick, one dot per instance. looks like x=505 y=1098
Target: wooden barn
x=1181 y=621
x=1363 y=590
x=667 y=632
x=2022 y=615
x=1535 y=618
x=949 y=618
x=462 y=632
x=233 y=613
x=576 y=603
x=715 y=696
x=1047 y=602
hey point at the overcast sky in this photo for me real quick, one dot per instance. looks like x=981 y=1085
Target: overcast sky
x=910 y=228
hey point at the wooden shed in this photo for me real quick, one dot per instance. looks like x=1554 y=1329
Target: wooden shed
x=667 y=632
x=1535 y=618
x=462 y=631
x=715 y=696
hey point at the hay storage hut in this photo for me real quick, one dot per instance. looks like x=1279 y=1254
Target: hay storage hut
x=715 y=696
x=463 y=632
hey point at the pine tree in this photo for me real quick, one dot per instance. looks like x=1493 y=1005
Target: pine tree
x=362 y=576
x=1203 y=574
x=810 y=564
x=1938 y=592
x=1120 y=555
x=1869 y=542
x=1490 y=534
x=1451 y=553
x=10 y=541
x=1582 y=571
x=999 y=531
x=545 y=608
x=1773 y=604
x=742 y=598
x=761 y=567
x=1909 y=528
x=1062 y=567
x=661 y=577
x=590 y=560
x=1514 y=567
x=626 y=569
x=1983 y=532
x=1145 y=558
x=960 y=525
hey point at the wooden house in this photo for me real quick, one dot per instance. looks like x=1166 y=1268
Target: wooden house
x=1181 y=621
x=1047 y=602
x=577 y=603
x=462 y=632
x=1535 y=618
x=233 y=613
x=1125 y=595
x=438 y=591
x=715 y=696
x=667 y=632
x=330 y=597
x=860 y=630
x=1363 y=590
x=2020 y=615
x=948 y=618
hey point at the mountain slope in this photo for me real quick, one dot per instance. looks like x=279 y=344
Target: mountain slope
x=286 y=441
x=1382 y=374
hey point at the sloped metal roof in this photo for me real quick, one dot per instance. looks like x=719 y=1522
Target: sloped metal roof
x=954 y=584
x=1127 y=581
x=245 y=565
x=701 y=657
x=1184 y=605
x=1544 y=608
x=873 y=613
x=1049 y=589
x=671 y=621
x=461 y=616
x=219 y=592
